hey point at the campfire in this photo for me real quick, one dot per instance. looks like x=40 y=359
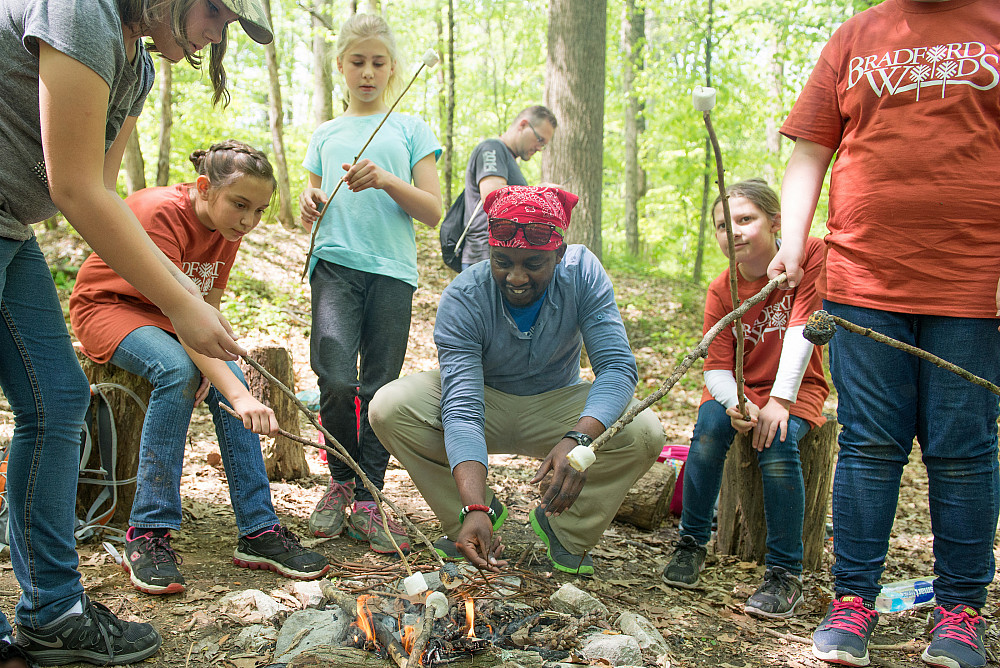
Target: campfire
x=432 y=629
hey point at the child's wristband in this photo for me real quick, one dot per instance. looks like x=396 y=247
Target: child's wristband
x=477 y=507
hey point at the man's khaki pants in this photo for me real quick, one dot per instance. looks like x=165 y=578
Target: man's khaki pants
x=406 y=416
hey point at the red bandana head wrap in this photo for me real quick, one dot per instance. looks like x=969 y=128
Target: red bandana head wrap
x=520 y=216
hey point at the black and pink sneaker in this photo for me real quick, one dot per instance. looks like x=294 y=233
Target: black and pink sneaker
x=151 y=563
x=278 y=549
x=842 y=637
x=956 y=638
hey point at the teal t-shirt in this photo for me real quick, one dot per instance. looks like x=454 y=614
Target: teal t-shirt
x=367 y=230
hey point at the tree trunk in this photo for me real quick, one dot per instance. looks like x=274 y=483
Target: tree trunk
x=633 y=36
x=709 y=169
x=647 y=503
x=742 y=530
x=275 y=119
x=446 y=77
x=284 y=459
x=322 y=100
x=574 y=90
x=166 y=122
x=135 y=166
x=128 y=419
x=776 y=74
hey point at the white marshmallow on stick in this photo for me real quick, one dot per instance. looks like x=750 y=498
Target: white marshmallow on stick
x=430 y=58
x=703 y=98
x=439 y=602
x=581 y=457
x=415 y=584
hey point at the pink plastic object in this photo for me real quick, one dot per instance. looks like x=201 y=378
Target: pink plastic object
x=679 y=453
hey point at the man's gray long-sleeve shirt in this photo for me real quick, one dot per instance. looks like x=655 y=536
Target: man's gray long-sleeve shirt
x=479 y=344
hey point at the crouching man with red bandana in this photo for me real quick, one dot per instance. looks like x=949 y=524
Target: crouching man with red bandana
x=509 y=335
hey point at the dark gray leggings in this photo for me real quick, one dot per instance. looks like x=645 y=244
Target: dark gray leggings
x=355 y=315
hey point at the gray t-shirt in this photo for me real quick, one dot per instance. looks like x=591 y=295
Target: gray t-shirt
x=89 y=31
x=490 y=158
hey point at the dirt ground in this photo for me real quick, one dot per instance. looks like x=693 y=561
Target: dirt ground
x=703 y=627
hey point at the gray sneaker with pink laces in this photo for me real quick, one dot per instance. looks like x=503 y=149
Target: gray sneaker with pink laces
x=365 y=524
x=330 y=516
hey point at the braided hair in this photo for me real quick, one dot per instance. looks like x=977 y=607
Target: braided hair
x=225 y=162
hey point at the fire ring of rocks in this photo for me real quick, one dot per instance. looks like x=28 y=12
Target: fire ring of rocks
x=484 y=623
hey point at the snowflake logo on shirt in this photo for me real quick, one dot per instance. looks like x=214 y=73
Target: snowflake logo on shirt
x=203 y=274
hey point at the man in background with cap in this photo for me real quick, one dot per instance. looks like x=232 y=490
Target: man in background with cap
x=493 y=165
x=509 y=335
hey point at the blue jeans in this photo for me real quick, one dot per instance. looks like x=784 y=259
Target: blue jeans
x=356 y=315
x=49 y=395
x=781 y=476
x=158 y=357
x=886 y=398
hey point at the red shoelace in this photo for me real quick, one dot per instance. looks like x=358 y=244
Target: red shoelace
x=960 y=626
x=850 y=614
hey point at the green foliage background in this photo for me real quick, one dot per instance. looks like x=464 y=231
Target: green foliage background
x=500 y=68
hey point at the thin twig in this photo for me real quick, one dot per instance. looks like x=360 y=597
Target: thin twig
x=790 y=637
x=697 y=352
x=733 y=292
x=377 y=495
x=907 y=348
x=312 y=238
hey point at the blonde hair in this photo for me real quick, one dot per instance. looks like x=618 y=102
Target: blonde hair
x=370 y=26
x=146 y=13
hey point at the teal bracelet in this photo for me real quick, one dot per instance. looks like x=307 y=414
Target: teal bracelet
x=477 y=507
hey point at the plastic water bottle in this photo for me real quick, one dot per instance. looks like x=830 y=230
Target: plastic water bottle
x=905 y=594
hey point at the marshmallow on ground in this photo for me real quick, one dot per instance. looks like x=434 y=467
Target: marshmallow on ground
x=439 y=602
x=414 y=584
x=703 y=98
x=581 y=457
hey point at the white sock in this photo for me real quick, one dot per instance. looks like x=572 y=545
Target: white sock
x=76 y=609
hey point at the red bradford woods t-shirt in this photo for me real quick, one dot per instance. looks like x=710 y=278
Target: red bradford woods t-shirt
x=907 y=94
x=104 y=308
x=764 y=328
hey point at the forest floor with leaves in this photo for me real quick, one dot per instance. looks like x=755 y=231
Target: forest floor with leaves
x=268 y=304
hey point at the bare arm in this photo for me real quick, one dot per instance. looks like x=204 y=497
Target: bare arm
x=421 y=200
x=476 y=539
x=488 y=184
x=311 y=201
x=800 y=189
x=73 y=102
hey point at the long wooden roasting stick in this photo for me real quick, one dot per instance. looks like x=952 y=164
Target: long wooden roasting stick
x=429 y=59
x=822 y=325
x=703 y=98
x=414 y=582
x=581 y=457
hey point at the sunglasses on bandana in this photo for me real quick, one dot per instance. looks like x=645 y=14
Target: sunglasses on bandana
x=536 y=234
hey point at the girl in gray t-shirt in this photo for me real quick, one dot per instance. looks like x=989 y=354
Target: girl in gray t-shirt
x=75 y=75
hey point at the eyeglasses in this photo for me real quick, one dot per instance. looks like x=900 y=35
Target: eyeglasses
x=536 y=234
x=539 y=138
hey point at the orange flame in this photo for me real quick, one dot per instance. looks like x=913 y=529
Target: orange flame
x=365 y=622
x=409 y=637
x=470 y=617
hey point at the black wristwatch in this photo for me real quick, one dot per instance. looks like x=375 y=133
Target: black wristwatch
x=579 y=437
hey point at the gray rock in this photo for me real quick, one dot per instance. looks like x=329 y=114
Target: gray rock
x=256 y=638
x=619 y=650
x=643 y=630
x=575 y=601
x=310 y=629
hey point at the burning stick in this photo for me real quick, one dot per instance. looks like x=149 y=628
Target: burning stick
x=698 y=351
x=703 y=98
x=414 y=582
x=821 y=327
x=430 y=614
x=429 y=59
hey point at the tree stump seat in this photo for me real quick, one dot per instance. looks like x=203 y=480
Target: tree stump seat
x=283 y=458
x=742 y=530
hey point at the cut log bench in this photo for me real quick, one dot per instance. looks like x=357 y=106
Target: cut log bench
x=283 y=458
x=741 y=527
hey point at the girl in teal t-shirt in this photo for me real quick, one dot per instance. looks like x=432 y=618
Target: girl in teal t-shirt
x=364 y=266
